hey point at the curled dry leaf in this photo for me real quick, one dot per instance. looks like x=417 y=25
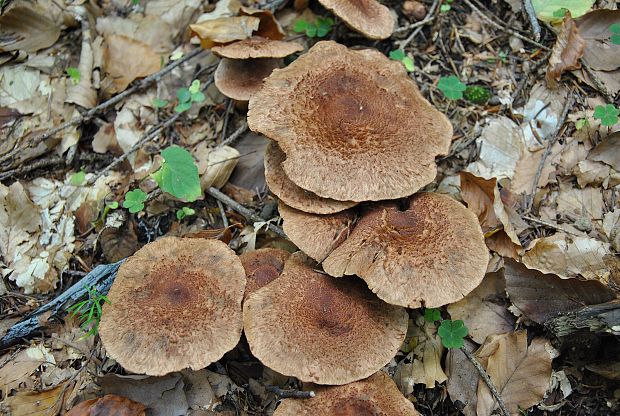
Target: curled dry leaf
x=22 y=28
x=127 y=59
x=520 y=372
x=568 y=49
x=215 y=165
x=224 y=30
x=608 y=151
x=109 y=404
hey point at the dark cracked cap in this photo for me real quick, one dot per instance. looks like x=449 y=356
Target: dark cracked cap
x=175 y=304
x=320 y=329
x=356 y=118
x=377 y=395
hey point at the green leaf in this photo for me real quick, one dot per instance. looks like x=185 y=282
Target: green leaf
x=195 y=87
x=323 y=26
x=311 y=31
x=78 y=178
x=581 y=123
x=451 y=87
x=198 y=97
x=184 y=212
x=397 y=55
x=181 y=107
x=300 y=26
x=444 y=8
x=432 y=315
x=159 y=103
x=452 y=333
x=178 y=174
x=184 y=95
x=608 y=114
x=134 y=200
x=176 y=56
x=615 y=33
x=408 y=62
x=112 y=204
x=546 y=9
x=74 y=74
x=476 y=94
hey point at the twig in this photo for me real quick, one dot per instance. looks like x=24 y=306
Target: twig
x=247 y=213
x=487 y=380
x=285 y=394
x=117 y=98
x=235 y=135
x=220 y=206
x=531 y=15
x=429 y=16
x=554 y=138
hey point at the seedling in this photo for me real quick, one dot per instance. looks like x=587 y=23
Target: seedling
x=451 y=87
x=74 y=74
x=188 y=96
x=184 y=212
x=452 y=333
x=432 y=315
x=320 y=28
x=399 y=55
x=89 y=311
x=134 y=200
x=615 y=33
x=581 y=123
x=78 y=178
x=111 y=204
x=476 y=94
x=178 y=175
x=608 y=114
x=446 y=7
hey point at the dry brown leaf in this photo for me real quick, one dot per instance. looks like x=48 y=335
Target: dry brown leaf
x=462 y=378
x=608 y=151
x=426 y=363
x=110 y=404
x=600 y=54
x=176 y=13
x=16 y=371
x=215 y=165
x=126 y=59
x=44 y=403
x=268 y=27
x=592 y=173
x=224 y=29
x=22 y=28
x=543 y=296
x=148 y=29
x=520 y=372
x=568 y=49
x=483 y=310
x=582 y=206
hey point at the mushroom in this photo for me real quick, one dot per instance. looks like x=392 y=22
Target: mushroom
x=292 y=194
x=376 y=395
x=368 y=17
x=320 y=329
x=428 y=252
x=262 y=266
x=246 y=63
x=175 y=304
x=356 y=118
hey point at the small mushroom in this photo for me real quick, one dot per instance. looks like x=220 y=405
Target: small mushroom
x=368 y=17
x=175 y=304
x=320 y=329
x=376 y=395
x=355 y=118
x=292 y=194
x=262 y=266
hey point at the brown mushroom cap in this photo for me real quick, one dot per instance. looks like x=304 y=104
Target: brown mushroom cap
x=257 y=47
x=356 y=118
x=368 y=17
x=239 y=79
x=430 y=252
x=374 y=396
x=292 y=194
x=316 y=235
x=320 y=329
x=176 y=303
x=262 y=266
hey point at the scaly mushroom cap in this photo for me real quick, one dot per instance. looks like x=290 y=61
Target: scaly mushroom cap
x=356 y=119
x=316 y=235
x=175 y=304
x=292 y=194
x=257 y=47
x=262 y=266
x=369 y=17
x=320 y=329
x=239 y=79
x=377 y=395
x=430 y=252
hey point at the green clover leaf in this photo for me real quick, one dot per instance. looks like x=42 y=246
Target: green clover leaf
x=134 y=200
x=78 y=178
x=451 y=87
x=74 y=74
x=615 y=33
x=195 y=87
x=432 y=315
x=300 y=26
x=159 y=103
x=476 y=94
x=184 y=212
x=397 y=55
x=608 y=114
x=178 y=175
x=323 y=26
x=452 y=333
x=184 y=95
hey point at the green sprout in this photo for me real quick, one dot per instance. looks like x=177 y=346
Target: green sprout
x=134 y=200
x=581 y=123
x=188 y=96
x=399 y=55
x=452 y=333
x=184 y=212
x=608 y=114
x=89 y=311
x=178 y=175
x=320 y=28
x=451 y=87
x=74 y=74
x=432 y=314
x=476 y=94
x=78 y=178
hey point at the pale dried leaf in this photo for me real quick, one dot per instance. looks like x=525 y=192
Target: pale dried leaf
x=215 y=165
x=567 y=51
x=600 y=54
x=126 y=59
x=149 y=29
x=44 y=403
x=177 y=13
x=22 y=28
x=426 y=365
x=591 y=173
x=462 y=378
x=225 y=29
x=608 y=151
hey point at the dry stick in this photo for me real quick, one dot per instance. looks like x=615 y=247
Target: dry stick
x=531 y=15
x=554 y=138
x=505 y=29
x=235 y=135
x=429 y=16
x=285 y=394
x=117 y=98
x=487 y=380
x=247 y=213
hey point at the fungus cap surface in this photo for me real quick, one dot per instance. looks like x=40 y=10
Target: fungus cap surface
x=353 y=125
x=262 y=266
x=369 y=17
x=257 y=47
x=320 y=329
x=239 y=79
x=175 y=304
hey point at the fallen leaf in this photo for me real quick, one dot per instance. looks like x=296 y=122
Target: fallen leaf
x=521 y=373
x=215 y=165
x=22 y=28
x=592 y=173
x=462 y=378
x=580 y=205
x=608 y=151
x=150 y=29
x=177 y=13
x=224 y=29
x=567 y=50
x=110 y=405
x=127 y=59
x=44 y=403
x=426 y=355
x=483 y=310
x=607 y=370
x=16 y=370
x=543 y=296
x=599 y=54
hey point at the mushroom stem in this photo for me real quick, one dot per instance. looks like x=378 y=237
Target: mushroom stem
x=487 y=380
x=286 y=394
